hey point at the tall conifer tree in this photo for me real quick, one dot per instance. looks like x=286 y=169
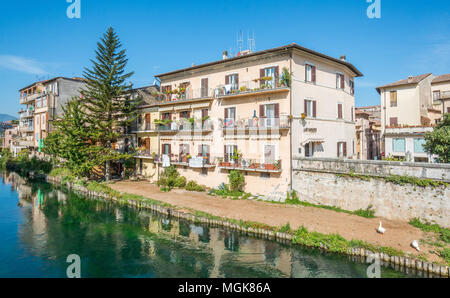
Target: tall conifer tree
x=105 y=97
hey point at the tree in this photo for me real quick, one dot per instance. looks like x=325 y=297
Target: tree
x=106 y=98
x=72 y=140
x=438 y=141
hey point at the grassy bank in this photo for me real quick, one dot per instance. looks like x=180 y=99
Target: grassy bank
x=331 y=242
x=23 y=165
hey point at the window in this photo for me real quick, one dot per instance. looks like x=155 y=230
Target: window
x=340 y=81
x=43 y=120
x=270 y=72
x=398 y=145
x=269 y=113
x=184 y=152
x=352 y=112
x=166 y=149
x=309 y=150
x=448 y=110
x=340 y=114
x=204 y=87
x=310 y=73
x=232 y=81
x=393 y=95
x=436 y=95
x=418 y=145
x=352 y=87
x=229 y=117
x=229 y=151
x=342 y=149
x=310 y=108
x=185 y=115
x=393 y=121
x=204 y=152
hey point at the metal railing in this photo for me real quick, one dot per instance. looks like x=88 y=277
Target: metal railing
x=187 y=126
x=256 y=123
x=257 y=85
x=185 y=95
x=251 y=165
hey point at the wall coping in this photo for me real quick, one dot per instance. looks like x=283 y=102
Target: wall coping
x=376 y=162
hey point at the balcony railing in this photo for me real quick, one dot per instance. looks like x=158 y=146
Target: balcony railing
x=30 y=97
x=249 y=87
x=186 y=161
x=26 y=113
x=251 y=165
x=283 y=122
x=185 y=95
x=187 y=126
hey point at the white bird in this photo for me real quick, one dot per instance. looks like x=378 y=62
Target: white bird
x=380 y=229
x=415 y=244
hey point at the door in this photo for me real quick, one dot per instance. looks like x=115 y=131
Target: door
x=270 y=115
x=270 y=72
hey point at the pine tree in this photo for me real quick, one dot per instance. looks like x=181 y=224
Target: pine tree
x=105 y=97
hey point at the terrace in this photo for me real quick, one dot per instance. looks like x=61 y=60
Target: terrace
x=250 y=88
x=251 y=165
x=185 y=125
x=255 y=123
x=182 y=95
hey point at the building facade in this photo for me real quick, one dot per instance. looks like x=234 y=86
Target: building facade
x=440 y=88
x=43 y=102
x=408 y=111
x=368 y=133
x=251 y=113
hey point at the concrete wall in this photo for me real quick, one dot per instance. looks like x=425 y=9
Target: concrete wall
x=315 y=181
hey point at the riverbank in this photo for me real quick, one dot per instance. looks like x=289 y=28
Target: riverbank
x=181 y=204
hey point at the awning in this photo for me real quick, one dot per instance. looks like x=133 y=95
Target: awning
x=166 y=109
x=201 y=105
x=313 y=140
x=183 y=107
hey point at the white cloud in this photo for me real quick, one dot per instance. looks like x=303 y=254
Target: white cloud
x=22 y=64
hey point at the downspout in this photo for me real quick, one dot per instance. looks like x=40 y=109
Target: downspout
x=159 y=139
x=384 y=131
x=290 y=131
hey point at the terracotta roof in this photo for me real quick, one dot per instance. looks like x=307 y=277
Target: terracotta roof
x=441 y=78
x=290 y=46
x=56 y=78
x=414 y=80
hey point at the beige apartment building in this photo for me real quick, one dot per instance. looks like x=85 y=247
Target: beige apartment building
x=43 y=101
x=440 y=88
x=251 y=113
x=407 y=112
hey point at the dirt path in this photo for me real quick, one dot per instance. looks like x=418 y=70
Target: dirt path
x=398 y=234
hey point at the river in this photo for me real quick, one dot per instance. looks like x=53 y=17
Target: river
x=40 y=225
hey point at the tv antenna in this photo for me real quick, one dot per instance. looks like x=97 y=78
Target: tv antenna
x=251 y=42
x=240 y=40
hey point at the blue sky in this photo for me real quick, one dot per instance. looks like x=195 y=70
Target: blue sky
x=38 y=40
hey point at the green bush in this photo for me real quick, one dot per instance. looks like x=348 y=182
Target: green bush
x=193 y=186
x=237 y=181
x=170 y=178
x=180 y=182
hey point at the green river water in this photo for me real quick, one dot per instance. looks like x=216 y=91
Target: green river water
x=40 y=225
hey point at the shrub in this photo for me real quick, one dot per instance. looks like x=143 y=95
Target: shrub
x=193 y=186
x=180 y=182
x=170 y=178
x=237 y=180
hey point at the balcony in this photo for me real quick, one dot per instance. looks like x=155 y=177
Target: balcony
x=199 y=126
x=186 y=160
x=250 y=88
x=147 y=127
x=26 y=114
x=251 y=165
x=26 y=128
x=184 y=95
x=30 y=98
x=256 y=124
x=145 y=153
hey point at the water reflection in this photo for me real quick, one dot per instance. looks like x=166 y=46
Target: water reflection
x=117 y=241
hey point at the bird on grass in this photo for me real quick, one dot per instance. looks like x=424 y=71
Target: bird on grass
x=380 y=229
x=415 y=245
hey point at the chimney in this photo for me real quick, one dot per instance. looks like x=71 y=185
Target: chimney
x=410 y=78
x=224 y=55
x=343 y=58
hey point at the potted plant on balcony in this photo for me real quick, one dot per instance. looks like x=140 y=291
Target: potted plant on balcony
x=188 y=157
x=236 y=157
x=277 y=165
x=220 y=161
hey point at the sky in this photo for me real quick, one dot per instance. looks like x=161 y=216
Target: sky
x=39 y=41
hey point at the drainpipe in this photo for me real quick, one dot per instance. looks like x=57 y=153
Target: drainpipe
x=290 y=131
